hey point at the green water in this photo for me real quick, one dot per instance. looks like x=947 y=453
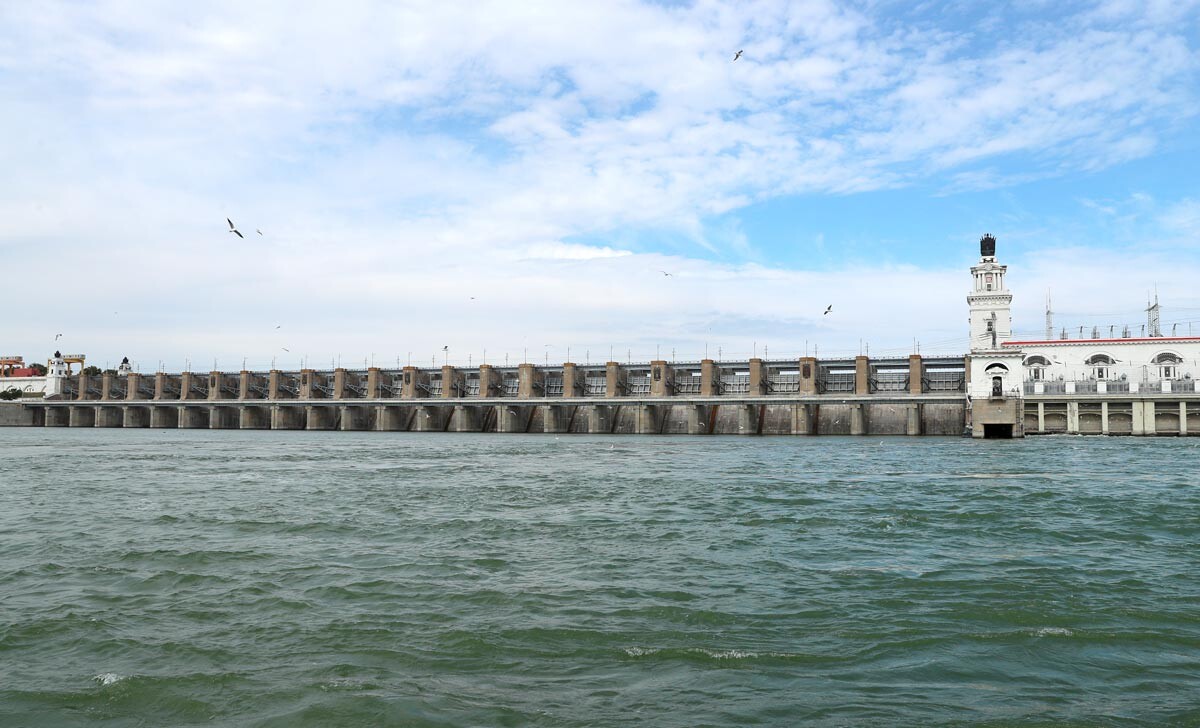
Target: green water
x=175 y=578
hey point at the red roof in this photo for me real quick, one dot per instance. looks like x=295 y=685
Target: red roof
x=1103 y=341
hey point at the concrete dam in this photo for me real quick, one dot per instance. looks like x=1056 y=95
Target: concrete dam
x=858 y=396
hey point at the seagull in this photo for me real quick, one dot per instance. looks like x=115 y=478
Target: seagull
x=56 y=336
x=737 y=55
x=233 y=229
x=445 y=348
x=286 y=349
x=828 y=310
x=278 y=326
x=668 y=275
x=258 y=231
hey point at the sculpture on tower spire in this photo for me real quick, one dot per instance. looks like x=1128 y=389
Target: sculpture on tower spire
x=987 y=246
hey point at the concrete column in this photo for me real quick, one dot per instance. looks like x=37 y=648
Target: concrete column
x=708 y=378
x=648 y=421
x=1150 y=423
x=914 y=419
x=488 y=381
x=286 y=418
x=747 y=417
x=132 y=385
x=916 y=370
x=106 y=383
x=858 y=418
x=307 y=391
x=1104 y=417
x=862 y=375
x=339 y=383
x=185 y=386
x=223 y=418
x=408 y=384
x=531 y=382
x=1041 y=417
x=600 y=419
x=273 y=384
x=82 y=417
x=804 y=419
x=254 y=418
x=389 y=419
x=1139 y=418
x=1183 y=418
x=373 y=382
x=352 y=418
x=135 y=417
x=429 y=419
x=661 y=378
x=58 y=417
x=808 y=376
x=193 y=418
x=511 y=418
x=465 y=418
x=243 y=385
x=108 y=416
x=160 y=385
x=570 y=380
x=698 y=419
x=318 y=417
x=84 y=382
x=216 y=385
x=453 y=383
x=554 y=418
x=164 y=417
x=758 y=378
x=1072 y=418
x=615 y=379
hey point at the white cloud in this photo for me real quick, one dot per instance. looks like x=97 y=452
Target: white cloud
x=399 y=156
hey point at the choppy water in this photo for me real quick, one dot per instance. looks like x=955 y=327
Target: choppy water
x=319 y=579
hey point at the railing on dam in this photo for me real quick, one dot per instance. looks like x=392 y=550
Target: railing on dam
x=805 y=377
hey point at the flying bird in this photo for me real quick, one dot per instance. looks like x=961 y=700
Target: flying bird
x=258 y=231
x=56 y=336
x=445 y=348
x=286 y=349
x=277 y=327
x=233 y=229
x=828 y=310
x=668 y=275
x=737 y=55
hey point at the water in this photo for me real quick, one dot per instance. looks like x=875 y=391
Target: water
x=153 y=578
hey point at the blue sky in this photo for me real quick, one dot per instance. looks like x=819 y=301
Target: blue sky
x=502 y=178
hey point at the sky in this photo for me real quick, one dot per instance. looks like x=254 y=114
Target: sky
x=499 y=181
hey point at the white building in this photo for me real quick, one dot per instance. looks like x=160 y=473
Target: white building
x=1159 y=364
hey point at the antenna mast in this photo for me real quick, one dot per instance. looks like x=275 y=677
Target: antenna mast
x=1049 y=318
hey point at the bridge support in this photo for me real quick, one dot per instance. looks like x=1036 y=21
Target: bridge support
x=193 y=418
x=858 y=418
x=82 y=417
x=913 y=426
x=287 y=418
x=465 y=419
x=649 y=419
x=804 y=419
x=430 y=419
x=351 y=417
x=164 y=417
x=511 y=418
x=136 y=417
x=698 y=416
x=108 y=417
x=254 y=418
x=600 y=419
x=57 y=417
x=223 y=418
x=318 y=417
x=555 y=418
x=747 y=419
x=389 y=419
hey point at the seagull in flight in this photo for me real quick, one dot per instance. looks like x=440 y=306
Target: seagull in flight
x=278 y=326
x=668 y=275
x=233 y=229
x=56 y=336
x=258 y=231
x=827 y=310
x=286 y=349
x=737 y=55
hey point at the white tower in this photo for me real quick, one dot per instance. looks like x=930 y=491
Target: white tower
x=56 y=372
x=990 y=301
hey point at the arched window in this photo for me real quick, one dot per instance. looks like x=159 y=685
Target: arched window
x=1168 y=364
x=1036 y=365
x=1101 y=365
